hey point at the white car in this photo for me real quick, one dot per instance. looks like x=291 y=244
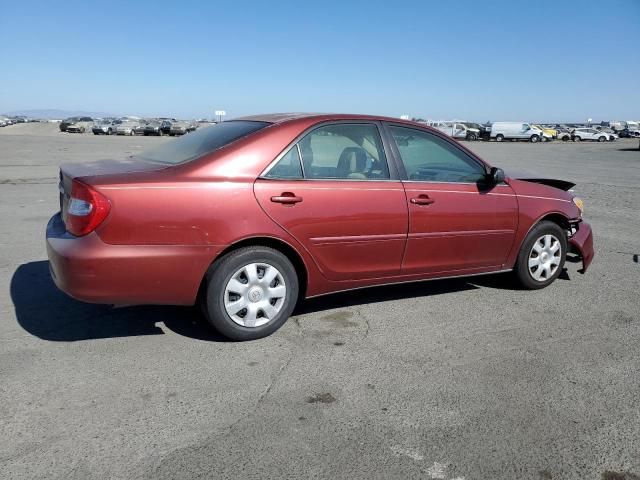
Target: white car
x=457 y=130
x=592 y=134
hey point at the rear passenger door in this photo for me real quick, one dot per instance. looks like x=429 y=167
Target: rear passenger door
x=334 y=191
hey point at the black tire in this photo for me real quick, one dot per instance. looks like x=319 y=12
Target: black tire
x=109 y=132
x=222 y=271
x=565 y=138
x=577 y=139
x=499 y=138
x=521 y=270
x=534 y=139
x=471 y=137
x=602 y=139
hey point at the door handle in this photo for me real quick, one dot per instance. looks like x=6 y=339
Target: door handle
x=422 y=200
x=286 y=198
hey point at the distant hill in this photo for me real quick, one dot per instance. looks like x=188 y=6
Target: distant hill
x=59 y=114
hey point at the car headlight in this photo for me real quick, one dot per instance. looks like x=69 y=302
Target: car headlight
x=579 y=203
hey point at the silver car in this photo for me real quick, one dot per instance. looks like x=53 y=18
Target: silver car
x=180 y=128
x=127 y=128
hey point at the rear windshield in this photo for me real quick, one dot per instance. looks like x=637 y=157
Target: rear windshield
x=201 y=142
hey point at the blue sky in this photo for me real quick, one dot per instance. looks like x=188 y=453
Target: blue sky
x=478 y=60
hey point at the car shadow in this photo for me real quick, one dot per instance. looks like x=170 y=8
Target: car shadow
x=629 y=149
x=47 y=313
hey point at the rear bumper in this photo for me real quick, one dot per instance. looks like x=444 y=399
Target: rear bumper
x=90 y=270
x=582 y=244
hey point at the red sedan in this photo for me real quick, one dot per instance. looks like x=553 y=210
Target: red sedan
x=251 y=215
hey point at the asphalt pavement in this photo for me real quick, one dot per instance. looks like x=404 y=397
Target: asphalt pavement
x=457 y=379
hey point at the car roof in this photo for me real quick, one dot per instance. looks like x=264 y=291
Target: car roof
x=286 y=117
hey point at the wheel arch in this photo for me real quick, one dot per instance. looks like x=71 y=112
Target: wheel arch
x=271 y=242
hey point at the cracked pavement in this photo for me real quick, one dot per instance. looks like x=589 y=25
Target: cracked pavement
x=458 y=379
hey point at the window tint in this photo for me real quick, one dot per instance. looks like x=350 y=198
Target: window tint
x=429 y=158
x=201 y=142
x=345 y=151
x=288 y=166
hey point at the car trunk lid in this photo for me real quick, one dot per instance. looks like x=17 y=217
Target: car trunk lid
x=85 y=171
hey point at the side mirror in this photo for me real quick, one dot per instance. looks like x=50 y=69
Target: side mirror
x=496 y=175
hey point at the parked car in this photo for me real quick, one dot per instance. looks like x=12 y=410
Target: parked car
x=580 y=134
x=165 y=125
x=4 y=121
x=564 y=135
x=458 y=130
x=485 y=130
x=75 y=124
x=127 y=128
x=628 y=133
x=501 y=131
x=153 y=127
x=292 y=206
x=105 y=126
x=550 y=132
x=180 y=128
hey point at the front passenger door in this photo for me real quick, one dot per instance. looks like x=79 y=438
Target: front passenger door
x=457 y=223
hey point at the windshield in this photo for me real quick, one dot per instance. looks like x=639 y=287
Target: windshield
x=201 y=142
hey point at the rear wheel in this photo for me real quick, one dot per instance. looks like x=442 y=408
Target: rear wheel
x=577 y=139
x=250 y=293
x=499 y=138
x=541 y=256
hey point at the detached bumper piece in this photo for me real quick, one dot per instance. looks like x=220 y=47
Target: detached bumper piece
x=581 y=246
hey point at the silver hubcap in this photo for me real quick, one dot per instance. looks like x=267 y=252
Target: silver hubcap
x=255 y=294
x=544 y=258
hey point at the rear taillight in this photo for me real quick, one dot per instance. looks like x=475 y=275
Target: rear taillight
x=87 y=209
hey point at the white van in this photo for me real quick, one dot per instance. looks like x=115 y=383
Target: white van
x=517 y=131
x=457 y=130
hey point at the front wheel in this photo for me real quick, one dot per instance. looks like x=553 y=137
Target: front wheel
x=602 y=139
x=471 y=137
x=541 y=256
x=534 y=138
x=250 y=293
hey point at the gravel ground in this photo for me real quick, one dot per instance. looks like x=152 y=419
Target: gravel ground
x=438 y=380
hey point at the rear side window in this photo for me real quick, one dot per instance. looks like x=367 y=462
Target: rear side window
x=341 y=151
x=201 y=142
x=288 y=166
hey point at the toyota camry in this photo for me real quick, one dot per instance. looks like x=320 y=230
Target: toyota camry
x=250 y=216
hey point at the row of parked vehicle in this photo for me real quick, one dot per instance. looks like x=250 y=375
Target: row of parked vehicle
x=6 y=121
x=128 y=126
x=515 y=131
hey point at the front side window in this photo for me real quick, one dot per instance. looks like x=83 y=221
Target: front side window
x=427 y=157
